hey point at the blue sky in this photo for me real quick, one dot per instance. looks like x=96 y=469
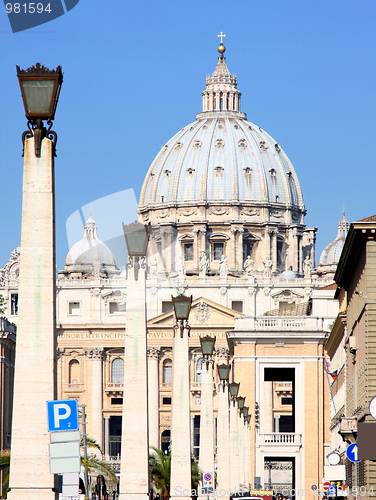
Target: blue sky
x=133 y=77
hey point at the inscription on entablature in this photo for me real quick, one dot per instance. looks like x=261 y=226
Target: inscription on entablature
x=88 y=335
x=193 y=334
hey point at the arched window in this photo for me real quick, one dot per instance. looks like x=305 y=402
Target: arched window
x=74 y=371
x=117 y=371
x=199 y=369
x=281 y=254
x=165 y=441
x=167 y=371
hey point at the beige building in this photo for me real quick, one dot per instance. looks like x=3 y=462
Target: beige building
x=226 y=214
x=351 y=349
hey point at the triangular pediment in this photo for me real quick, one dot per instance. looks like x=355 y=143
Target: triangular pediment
x=204 y=313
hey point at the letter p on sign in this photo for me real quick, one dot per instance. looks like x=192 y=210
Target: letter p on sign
x=62 y=415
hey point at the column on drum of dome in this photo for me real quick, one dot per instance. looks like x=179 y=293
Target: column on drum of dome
x=223 y=433
x=206 y=457
x=153 y=395
x=234 y=443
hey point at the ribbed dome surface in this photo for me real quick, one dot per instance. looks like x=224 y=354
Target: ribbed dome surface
x=221 y=159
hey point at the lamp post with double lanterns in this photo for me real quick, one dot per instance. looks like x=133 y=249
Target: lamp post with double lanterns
x=223 y=433
x=134 y=471
x=35 y=366
x=180 y=485
x=206 y=457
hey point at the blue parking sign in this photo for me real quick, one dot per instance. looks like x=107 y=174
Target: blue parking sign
x=62 y=415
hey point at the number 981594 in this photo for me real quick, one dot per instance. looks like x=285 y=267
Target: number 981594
x=27 y=8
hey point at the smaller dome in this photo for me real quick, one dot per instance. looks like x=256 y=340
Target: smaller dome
x=90 y=256
x=288 y=275
x=332 y=252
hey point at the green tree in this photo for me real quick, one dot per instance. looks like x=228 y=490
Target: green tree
x=4 y=468
x=160 y=472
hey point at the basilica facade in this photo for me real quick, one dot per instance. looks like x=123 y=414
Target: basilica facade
x=226 y=217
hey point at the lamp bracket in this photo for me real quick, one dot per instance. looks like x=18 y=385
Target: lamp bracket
x=181 y=326
x=39 y=132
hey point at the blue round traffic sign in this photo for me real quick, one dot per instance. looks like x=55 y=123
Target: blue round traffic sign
x=332 y=490
x=352 y=452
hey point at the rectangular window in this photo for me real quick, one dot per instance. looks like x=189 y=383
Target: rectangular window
x=167 y=374
x=166 y=401
x=247 y=249
x=166 y=306
x=237 y=305
x=116 y=401
x=188 y=251
x=116 y=308
x=217 y=251
x=74 y=308
x=287 y=401
x=14 y=304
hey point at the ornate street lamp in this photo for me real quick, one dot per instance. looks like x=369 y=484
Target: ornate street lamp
x=40 y=88
x=240 y=401
x=245 y=410
x=136 y=238
x=207 y=348
x=247 y=419
x=182 y=307
x=223 y=374
x=234 y=389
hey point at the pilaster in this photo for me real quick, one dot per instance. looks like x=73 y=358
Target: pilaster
x=153 y=354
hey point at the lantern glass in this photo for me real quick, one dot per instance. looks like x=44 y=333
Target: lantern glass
x=245 y=410
x=182 y=306
x=234 y=389
x=207 y=345
x=223 y=371
x=136 y=238
x=241 y=402
x=38 y=96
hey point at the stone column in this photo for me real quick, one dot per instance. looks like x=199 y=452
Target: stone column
x=273 y=241
x=206 y=458
x=241 y=448
x=240 y=249
x=223 y=444
x=234 y=447
x=107 y=437
x=153 y=395
x=35 y=367
x=96 y=417
x=247 y=456
x=180 y=486
x=134 y=470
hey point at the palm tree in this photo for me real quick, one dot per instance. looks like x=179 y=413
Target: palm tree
x=160 y=472
x=4 y=466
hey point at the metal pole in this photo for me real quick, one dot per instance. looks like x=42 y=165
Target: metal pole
x=356 y=480
x=84 y=435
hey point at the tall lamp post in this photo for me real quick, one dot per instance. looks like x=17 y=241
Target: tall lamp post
x=206 y=457
x=181 y=482
x=234 y=442
x=240 y=423
x=223 y=434
x=134 y=469
x=35 y=367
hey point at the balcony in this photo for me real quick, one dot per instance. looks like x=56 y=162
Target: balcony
x=114 y=389
x=69 y=388
x=281 y=438
x=348 y=429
